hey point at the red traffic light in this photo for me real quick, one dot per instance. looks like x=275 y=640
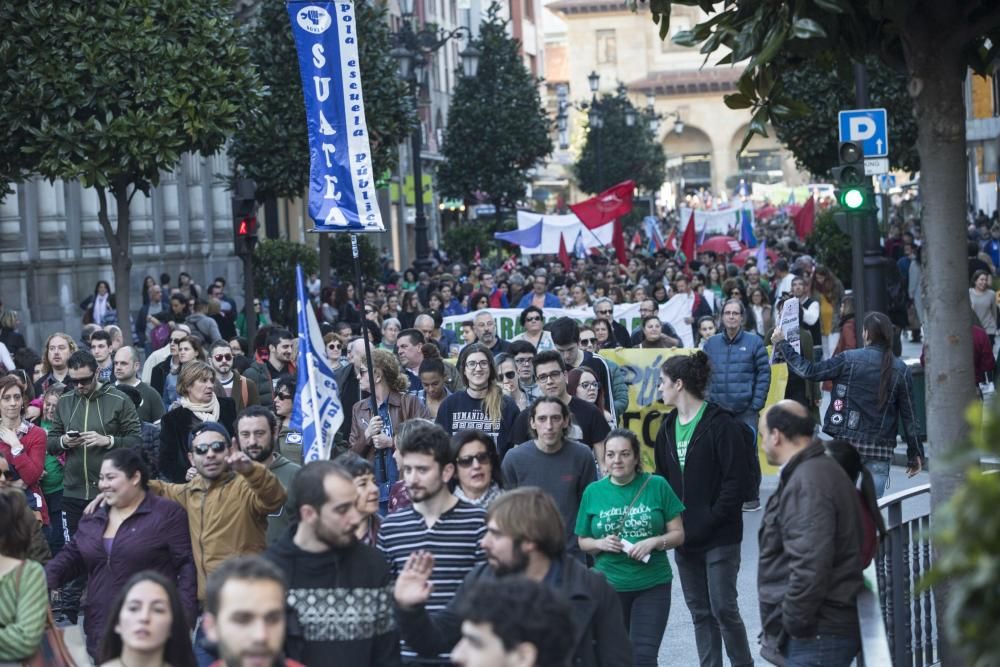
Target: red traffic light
x=246 y=227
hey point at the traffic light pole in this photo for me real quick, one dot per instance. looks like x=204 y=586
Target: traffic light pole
x=249 y=314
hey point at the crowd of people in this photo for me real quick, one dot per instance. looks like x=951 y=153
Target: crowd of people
x=483 y=504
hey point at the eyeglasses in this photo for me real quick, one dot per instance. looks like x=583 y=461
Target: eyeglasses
x=510 y=375
x=333 y=346
x=177 y=340
x=604 y=312
x=75 y=382
x=380 y=289
x=283 y=397
x=545 y=377
x=217 y=446
x=533 y=318
x=589 y=385
x=467 y=461
x=223 y=357
x=472 y=364
x=587 y=342
x=523 y=361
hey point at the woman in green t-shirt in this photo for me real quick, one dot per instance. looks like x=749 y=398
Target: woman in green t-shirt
x=629 y=520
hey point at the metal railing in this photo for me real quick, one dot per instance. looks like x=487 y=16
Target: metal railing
x=904 y=557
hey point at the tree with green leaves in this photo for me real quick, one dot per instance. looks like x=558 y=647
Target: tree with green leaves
x=113 y=93
x=497 y=130
x=825 y=86
x=935 y=43
x=274 y=263
x=617 y=151
x=272 y=145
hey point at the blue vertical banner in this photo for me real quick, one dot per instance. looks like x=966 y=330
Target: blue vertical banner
x=341 y=180
x=317 y=412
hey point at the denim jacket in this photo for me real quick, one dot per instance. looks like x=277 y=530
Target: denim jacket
x=854 y=412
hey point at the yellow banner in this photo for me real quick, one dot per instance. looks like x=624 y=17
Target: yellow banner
x=641 y=369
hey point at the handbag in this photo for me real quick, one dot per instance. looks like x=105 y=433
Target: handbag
x=52 y=651
x=159 y=336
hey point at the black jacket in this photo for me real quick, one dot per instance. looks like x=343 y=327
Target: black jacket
x=158 y=377
x=600 y=638
x=716 y=471
x=175 y=427
x=810 y=550
x=340 y=605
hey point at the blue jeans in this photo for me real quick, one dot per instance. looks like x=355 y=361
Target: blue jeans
x=54 y=534
x=821 y=651
x=880 y=474
x=709 y=582
x=646 y=614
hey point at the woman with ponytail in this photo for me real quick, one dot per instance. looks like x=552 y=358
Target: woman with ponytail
x=872 y=394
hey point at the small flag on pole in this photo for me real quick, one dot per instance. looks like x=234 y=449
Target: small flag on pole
x=317 y=412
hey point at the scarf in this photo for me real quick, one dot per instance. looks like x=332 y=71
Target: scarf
x=100 y=308
x=206 y=412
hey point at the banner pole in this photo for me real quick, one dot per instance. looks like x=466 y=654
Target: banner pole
x=356 y=254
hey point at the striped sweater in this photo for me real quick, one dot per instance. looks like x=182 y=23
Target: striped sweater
x=454 y=539
x=23 y=610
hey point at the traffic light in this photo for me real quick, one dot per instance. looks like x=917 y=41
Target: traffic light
x=244 y=218
x=853 y=189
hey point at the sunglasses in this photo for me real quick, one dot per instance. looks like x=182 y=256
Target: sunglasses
x=604 y=312
x=467 y=461
x=223 y=357
x=587 y=342
x=533 y=318
x=510 y=375
x=333 y=346
x=283 y=397
x=218 y=446
x=177 y=340
x=75 y=382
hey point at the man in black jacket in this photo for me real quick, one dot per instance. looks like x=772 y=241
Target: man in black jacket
x=524 y=536
x=810 y=547
x=332 y=577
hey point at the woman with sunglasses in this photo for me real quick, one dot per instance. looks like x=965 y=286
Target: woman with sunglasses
x=197 y=402
x=477 y=477
x=507 y=368
x=373 y=434
x=532 y=320
x=131 y=531
x=334 y=350
x=289 y=441
x=147 y=625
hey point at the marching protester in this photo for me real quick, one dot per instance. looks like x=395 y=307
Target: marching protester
x=23 y=596
x=477 y=478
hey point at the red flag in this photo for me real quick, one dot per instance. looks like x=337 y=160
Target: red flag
x=636 y=240
x=619 y=243
x=805 y=218
x=687 y=241
x=609 y=205
x=563 y=255
x=671 y=242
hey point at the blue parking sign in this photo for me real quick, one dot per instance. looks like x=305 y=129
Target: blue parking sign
x=868 y=127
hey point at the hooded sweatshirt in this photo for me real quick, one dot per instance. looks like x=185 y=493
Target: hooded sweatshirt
x=106 y=411
x=340 y=603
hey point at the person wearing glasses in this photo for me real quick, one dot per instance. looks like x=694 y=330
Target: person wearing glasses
x=373 y=434
x=523 y=353
x=197 y=403
x=588 y=339
x=334 y=350
x=532 y=320
x=507 y=369
x=228 y=501
x=604 y=309
x=132 y=531
x=262 y=319
x=289 y=441
x=477 y=477
x=482 y=404
x=230 y=384
x=582 y=382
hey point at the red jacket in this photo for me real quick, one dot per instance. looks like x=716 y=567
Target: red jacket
x=30 y=463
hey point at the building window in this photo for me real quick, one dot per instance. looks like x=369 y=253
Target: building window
x=607 y=47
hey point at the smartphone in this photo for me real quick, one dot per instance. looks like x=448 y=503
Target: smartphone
x=73 y=434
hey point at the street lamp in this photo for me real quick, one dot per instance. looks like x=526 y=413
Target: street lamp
x=414 y=48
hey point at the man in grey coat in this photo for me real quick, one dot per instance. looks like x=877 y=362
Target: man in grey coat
x=810 y=548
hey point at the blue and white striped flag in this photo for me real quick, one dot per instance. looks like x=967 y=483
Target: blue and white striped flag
x=317 y=413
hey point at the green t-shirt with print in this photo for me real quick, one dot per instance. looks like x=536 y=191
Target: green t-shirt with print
x=600 y=514
x=683 y=433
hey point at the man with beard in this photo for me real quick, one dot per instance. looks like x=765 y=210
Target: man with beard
x=256 y=435
x=437 y=523
x=281 y=351
x=234 y=386
x=332 y=577
x=245 y=613
x=525 y=535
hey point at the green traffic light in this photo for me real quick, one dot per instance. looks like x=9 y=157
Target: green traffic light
x=853 y=199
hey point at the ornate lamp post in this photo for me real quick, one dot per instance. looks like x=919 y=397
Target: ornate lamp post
x=413 y=47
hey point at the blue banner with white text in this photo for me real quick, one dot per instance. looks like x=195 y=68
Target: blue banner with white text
x=341 y=181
